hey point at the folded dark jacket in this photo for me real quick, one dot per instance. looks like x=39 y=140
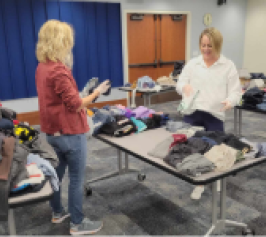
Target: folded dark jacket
x=226 y=138
x=256 y=75
x=218 y=136
x=6 y=124
x=234 y=142
x=7 y=113
x=253 y=95
x=182 y=150
x=152 y=122
x=121 y=127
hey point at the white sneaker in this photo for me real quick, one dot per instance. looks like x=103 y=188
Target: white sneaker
x=196 y=194
x=219 y=186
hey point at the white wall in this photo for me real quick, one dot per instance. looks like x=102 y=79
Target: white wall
x=255 y=37
x=229 y=19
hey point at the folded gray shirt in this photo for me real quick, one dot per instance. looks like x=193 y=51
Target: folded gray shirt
x=161 y=150
x=195 y=165
x=173 y=126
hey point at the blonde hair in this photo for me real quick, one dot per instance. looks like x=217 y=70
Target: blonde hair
x=215 y=37
x=55 y=41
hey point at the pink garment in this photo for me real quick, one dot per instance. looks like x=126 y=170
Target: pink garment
x=120 y=107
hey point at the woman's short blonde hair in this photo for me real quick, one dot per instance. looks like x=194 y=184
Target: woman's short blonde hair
x=55 y=41
x=215 y=37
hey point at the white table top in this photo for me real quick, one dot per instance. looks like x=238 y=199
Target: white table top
x=140 y=144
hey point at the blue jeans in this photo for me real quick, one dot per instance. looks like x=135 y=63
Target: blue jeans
x=72 y=152
x=204 y=119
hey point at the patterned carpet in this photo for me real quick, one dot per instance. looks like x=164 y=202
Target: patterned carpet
x=161 y=204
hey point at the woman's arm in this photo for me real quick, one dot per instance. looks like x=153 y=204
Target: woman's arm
x=183 y=86
x=233 y=89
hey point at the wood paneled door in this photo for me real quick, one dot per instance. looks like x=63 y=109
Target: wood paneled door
x=155 y=42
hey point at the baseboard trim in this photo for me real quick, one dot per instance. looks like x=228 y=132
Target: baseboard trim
x=33 y=118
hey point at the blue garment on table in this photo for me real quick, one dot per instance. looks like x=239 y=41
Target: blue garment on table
x=165 y=118
x=107 y=107
x=100 y=118
x=6 y=124
x=22 y=187
x=46 y=167
x=209 y=140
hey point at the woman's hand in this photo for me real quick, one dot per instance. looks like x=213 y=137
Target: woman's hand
x=227 y=105
x=103 y=87
x=187 y=90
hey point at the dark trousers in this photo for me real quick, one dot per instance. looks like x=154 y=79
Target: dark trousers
x=206 y=120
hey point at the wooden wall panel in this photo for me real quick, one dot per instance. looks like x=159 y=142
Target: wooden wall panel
x=173 y=38
x=141 y=40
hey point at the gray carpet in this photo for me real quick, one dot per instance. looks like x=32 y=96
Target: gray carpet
x=160 y=205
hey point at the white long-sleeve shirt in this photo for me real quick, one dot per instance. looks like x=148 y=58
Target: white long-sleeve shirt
x=215 y=84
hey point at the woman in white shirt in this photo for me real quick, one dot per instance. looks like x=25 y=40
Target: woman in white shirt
x=209 y=85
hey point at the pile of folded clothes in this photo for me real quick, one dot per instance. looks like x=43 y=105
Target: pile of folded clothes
x=166 y=81
x=254 y=98
x=18 y=175
x=120 y=121
x=193 y=151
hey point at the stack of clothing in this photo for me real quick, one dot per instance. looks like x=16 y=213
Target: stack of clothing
x=205 y=151
x=120 y=121
x=166 y=81
x=7 y=118
x=254 y=99
x=17 y=141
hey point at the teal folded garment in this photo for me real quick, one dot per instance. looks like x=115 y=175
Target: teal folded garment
x=139 y=124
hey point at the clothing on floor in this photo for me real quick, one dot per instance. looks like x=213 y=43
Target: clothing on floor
x=195 y=165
